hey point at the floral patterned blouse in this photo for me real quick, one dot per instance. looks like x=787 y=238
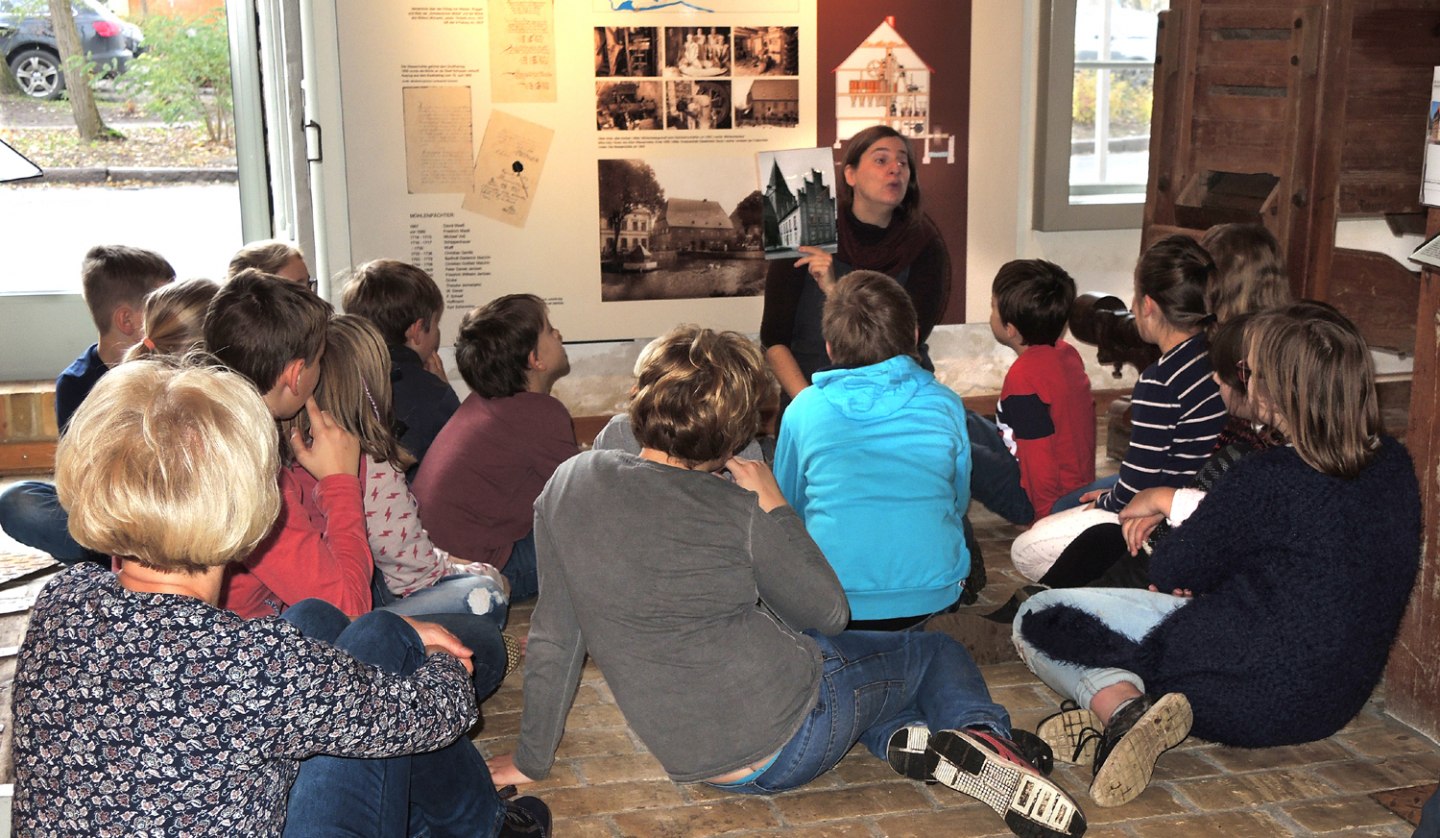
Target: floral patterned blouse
x=148 y=714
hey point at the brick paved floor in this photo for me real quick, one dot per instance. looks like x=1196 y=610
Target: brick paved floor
x=606 y=784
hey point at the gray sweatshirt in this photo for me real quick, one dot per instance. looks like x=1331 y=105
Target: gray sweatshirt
x=657 y=572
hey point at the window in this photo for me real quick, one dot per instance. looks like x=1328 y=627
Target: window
x=1097 y=70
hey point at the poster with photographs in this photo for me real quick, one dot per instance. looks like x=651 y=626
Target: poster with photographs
x=797 y=201
x=642 y=207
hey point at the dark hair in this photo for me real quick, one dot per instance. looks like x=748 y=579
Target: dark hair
x=392 y=295
x=493 y=347
x=1174 y=272
x=909 y=209
x=259 y=322
x=1227 y=350
x=699 y=395
x=1035 y=297
x=113 y=275
x=868 y=318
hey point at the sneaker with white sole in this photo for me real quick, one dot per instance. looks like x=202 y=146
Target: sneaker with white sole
x=909 y=752
x=990 y=769
x=1073 y=733
x=1138 y=733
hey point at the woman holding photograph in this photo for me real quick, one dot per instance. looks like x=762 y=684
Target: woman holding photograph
x=881 y=228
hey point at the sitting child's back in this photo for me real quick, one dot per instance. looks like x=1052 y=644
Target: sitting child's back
x=1046 y=412
x=876 y=458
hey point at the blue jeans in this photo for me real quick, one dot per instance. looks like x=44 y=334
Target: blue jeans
x=441 y=793
x=875 y=683
x=1128 y=611
x=1429 y=818
x=31 y=514
x=995 y=473
x=520 y=570
x=1072 y=500
x=449 y=595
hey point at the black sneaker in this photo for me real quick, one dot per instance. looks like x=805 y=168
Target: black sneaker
x=909 y=753
x=1138 y=733
x=525 y=817
x=991 y=769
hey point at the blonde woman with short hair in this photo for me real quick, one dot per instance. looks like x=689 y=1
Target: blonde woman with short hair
x=141 y=707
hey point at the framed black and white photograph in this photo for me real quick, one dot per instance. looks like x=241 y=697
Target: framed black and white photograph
x=627 y=51
x=627 y=105
x=767 y=51
x=766 y=103
x=798 y=188
x=698 y=105
x=678 y=228
x=697 y=52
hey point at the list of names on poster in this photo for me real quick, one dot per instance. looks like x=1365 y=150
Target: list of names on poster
x=464 y=269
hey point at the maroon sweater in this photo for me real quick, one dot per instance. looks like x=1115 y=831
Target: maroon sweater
x=479 y=480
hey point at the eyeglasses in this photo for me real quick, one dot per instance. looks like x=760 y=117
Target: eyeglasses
x=312 y=283
x=1242 y=369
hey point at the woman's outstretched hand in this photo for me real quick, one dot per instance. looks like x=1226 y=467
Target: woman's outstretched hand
x=504 y=773
x=821 y=266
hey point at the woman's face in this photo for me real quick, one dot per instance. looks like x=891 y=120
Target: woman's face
x=1142 y=320
x=881 y=178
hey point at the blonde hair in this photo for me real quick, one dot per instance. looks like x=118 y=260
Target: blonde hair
x=1311 y=368
x=172 y=466
x=699 y=398
x=1249 y=270
x=355 y=387
x=174 y=319
x=268 y=255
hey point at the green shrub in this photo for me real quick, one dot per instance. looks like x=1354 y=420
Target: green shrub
x=184 y=75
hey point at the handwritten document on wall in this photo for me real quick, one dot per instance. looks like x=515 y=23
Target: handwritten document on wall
x=522 y=51
x=507 y=169
x=437 y=139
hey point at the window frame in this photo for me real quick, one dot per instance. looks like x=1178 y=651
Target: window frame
x=1056 y=92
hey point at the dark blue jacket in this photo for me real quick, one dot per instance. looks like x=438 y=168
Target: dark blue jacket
x=423 y=402
x=1300 y=581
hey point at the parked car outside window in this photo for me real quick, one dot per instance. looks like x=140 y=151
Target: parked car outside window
x=27 y=40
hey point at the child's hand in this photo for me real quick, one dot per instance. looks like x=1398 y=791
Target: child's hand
x=435 y=366
x=1137 y=530
x=1153 y=501
x=1092 y=495
x=821 y=266
x=1184 y=593
x=757 y=477
x=331 y=449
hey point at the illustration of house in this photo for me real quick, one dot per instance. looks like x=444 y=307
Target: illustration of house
x=886 y=82
x=803 y=216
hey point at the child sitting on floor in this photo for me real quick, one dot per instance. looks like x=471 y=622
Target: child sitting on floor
x=1046 y=413
x=1272 y=608
x=405 y=304
x=477 y=486
x=174 y=321
x=875 y=457
x=1176 y=413
x=718 y=623
x=415 y=576
x=115 y=279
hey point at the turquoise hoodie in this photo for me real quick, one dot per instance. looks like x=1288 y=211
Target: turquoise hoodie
x=876 y=460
